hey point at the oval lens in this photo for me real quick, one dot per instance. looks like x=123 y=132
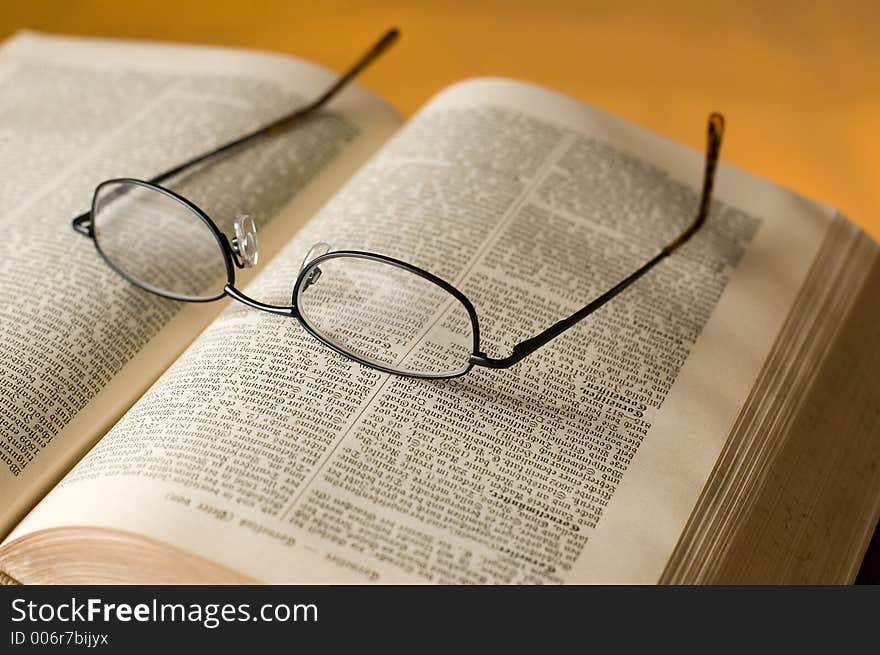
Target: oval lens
x=386 y=316
x=158 y=242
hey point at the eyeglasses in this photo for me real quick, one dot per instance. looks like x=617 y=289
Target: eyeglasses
x=381 y=312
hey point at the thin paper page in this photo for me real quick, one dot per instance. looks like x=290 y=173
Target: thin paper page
x=78 y=343
x=580 y=464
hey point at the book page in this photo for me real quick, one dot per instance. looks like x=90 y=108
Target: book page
x=265 y=451
x=78 y=343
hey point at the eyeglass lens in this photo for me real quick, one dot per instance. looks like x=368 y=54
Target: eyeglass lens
x=386 y=315
x=158 y=242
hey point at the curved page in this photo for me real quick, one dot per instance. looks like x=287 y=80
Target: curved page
x=78 y=343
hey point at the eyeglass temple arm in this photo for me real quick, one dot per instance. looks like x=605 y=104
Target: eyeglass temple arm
x=80 y=223
x=527 y=347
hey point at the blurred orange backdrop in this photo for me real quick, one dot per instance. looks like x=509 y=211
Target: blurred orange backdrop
x=798 y=81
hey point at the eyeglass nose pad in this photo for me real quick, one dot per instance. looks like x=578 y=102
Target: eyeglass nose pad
x=245 y=241
x=314 y=252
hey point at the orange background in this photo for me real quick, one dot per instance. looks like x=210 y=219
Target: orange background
x=799 y=82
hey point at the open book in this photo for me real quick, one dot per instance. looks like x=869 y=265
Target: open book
x=716 y=422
